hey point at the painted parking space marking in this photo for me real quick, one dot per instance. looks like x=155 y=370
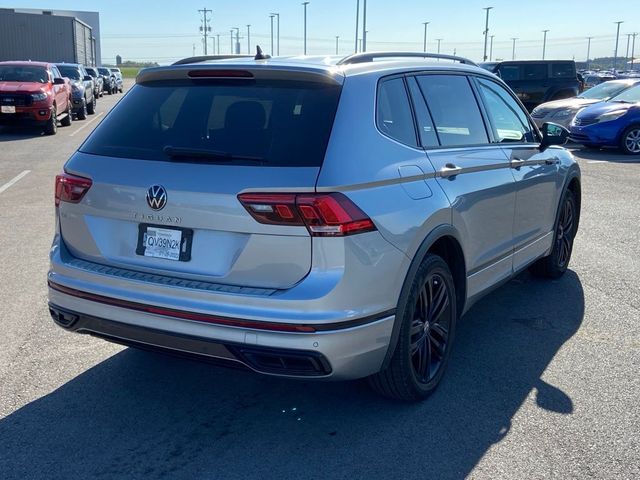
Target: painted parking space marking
x=14 y=180
x=87 y=124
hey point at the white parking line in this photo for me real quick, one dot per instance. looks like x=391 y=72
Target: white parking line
x=596 y=161
x=15 y=179
x=87 y=124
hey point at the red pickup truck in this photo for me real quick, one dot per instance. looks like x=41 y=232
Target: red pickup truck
x=34 y=93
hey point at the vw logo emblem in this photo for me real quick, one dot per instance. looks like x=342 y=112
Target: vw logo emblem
x=156 y=197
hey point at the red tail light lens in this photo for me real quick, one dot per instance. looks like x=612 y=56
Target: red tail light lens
x=71 y=188
x=324 y=214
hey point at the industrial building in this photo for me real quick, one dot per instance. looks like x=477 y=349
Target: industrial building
x=50 y=36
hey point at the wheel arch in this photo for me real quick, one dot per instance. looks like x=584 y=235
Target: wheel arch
x=443 y=241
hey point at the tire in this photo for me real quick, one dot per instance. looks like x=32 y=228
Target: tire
x=423 y=349
x=82 y=113
x=66 y=121
x=630 y=140
x=555 y=264
x=51 y=127
x=91 y=107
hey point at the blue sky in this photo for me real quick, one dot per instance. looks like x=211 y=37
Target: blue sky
x=162 y=30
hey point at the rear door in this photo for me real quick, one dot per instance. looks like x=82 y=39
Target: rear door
x=175 y=155
x=474 y=174
x=60 y=91
x=535 y=171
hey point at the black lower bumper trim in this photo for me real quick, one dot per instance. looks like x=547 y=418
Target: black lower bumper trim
x=274 y=361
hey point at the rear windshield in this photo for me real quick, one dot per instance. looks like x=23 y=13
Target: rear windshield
x=104 y=71
x=18 y=73
x=70 y=72
x=246 y=122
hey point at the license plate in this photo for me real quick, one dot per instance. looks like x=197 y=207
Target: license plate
x=162 y=242
x=8 y=109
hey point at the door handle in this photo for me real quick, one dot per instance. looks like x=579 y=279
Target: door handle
x=516 y=163
x=450 y=170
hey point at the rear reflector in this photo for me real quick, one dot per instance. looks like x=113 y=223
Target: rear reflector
x=71 y=188
x=324 y=214
x=214 y=73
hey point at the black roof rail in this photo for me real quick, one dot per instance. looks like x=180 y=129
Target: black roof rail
x=370 y=57
x=204 y=58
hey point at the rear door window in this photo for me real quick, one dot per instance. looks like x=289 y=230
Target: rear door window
x=563 y=70
x=454 y=109
x=247 y=122
x=393 y=113
x=509 y=73
x=535 y=71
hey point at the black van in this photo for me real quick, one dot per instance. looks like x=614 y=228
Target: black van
x=538 y=81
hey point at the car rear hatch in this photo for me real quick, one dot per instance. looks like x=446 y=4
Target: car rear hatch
x=165 y=168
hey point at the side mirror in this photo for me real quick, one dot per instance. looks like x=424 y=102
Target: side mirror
x=88 y=78
x=58 y=81
x=553 y=134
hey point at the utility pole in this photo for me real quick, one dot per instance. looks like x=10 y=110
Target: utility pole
x=205 y=28
x=249 y=39
x=628 y=44
x=615 y=53
x=213 y=45
x=304 y=4
x=491 y=49
x=513 y=52
x=337 y=40
x=271 y=19
x=544 y=44
x=364 y=25
x=278 y=34
x=236 y=47
x=218 y=42
x=486 y=32
x=588 y=51
x=357 y=22
x=424 y=42
x=633 y=50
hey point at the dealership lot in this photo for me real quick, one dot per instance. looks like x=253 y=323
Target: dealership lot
x=543 y=382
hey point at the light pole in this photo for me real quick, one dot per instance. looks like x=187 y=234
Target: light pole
x=357 y=23
x=304 y=4
x=513 y=52
x=544 y=44
x=424 y=42
x=337 y=40
x=615 y=53
x=231 y=41
x=486 y=32
x=271 y=19
x=218 y=42
x=249 y=39
x=588 y=51
x=277 y=34
x=491 y=49
x=633 y=49
x=628 y=43
x=364 y=26
x=439 y=40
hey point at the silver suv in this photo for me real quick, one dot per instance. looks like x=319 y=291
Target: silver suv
x=309 y=217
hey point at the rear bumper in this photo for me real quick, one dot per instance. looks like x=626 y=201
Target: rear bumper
x=341 y=354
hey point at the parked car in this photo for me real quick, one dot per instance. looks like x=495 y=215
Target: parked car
x=591 y=81
x=84 y=100
x=34 y=93
x=306 y=219
x=563 y=111
x=108 y=78
x=615 y=123
x=538 y=81
x=98 y=82
x=118 y=79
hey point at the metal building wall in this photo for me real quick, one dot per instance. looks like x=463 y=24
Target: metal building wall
x=47 y=38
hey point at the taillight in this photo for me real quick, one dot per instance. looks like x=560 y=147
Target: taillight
x=71 y=188
x=324 y=214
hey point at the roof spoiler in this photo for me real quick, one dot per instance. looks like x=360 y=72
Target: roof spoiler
x=205 y=58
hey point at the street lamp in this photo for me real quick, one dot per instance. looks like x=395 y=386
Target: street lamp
x=277 y=34
x=357 y=23
x=249 y=39
x=491 y=49
x=364 y=26
x=439 y=40
x=513 y=52
x=271 y=19
x=424 y=42
x=544 y=43
x=588 y=52
x=486 y=32
x=304 y=4
x=337 y=40
x=615 y=53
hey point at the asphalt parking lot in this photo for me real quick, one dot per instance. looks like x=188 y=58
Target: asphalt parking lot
x=544 y=379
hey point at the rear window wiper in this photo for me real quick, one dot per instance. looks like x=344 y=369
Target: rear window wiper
x=189 y=153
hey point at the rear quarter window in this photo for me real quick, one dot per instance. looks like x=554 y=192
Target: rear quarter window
x=563 y=70
x=276 y=123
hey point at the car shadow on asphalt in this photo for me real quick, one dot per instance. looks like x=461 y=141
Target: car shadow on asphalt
x=9 y=133
x=612 y=155
x=146 y=415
